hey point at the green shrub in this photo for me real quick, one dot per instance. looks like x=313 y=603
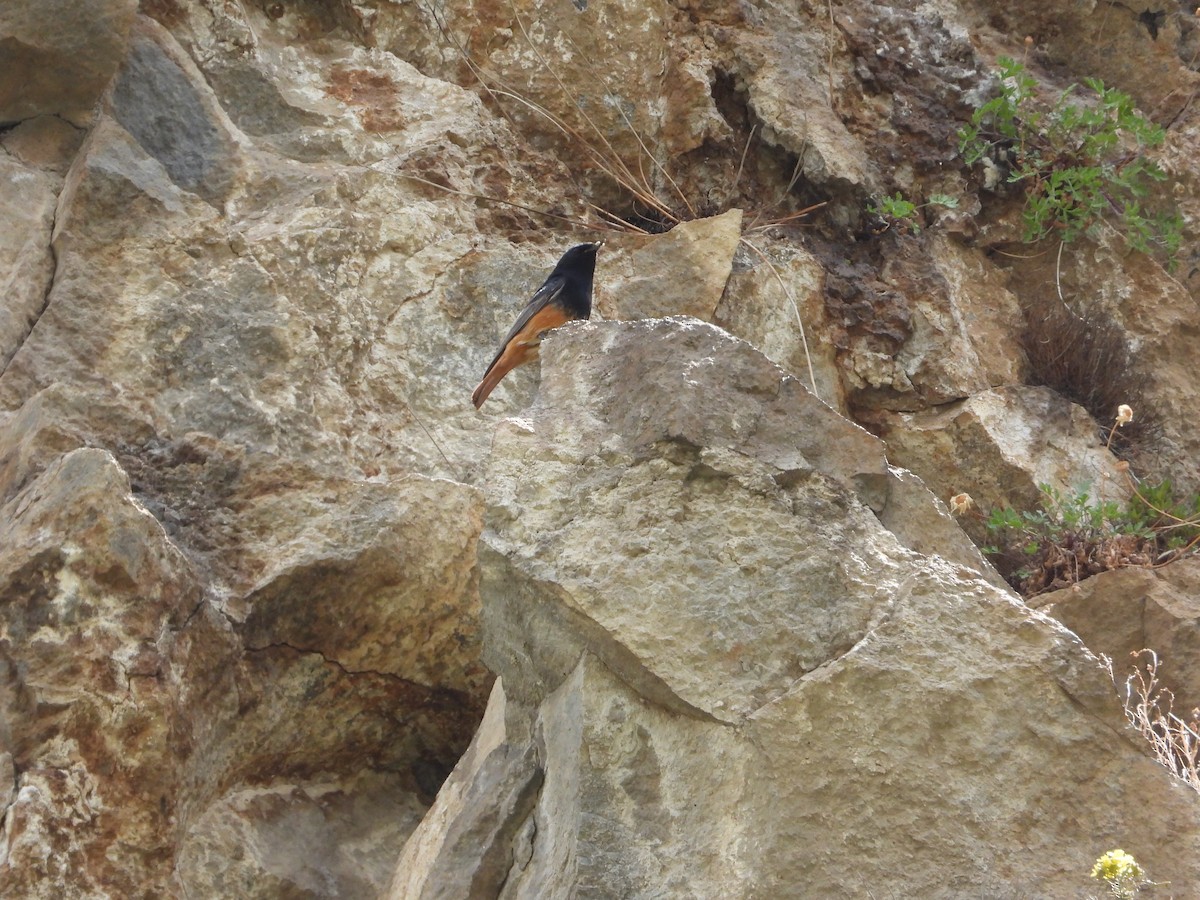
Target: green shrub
x=1078 y=165
x=1072 y=537
x=900 y=211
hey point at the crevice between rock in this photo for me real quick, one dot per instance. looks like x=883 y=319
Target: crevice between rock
x=46 y=295
x=341 y=667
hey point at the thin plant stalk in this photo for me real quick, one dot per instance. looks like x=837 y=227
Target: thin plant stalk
x=812 y=378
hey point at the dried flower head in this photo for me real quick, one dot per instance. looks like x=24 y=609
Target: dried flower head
x=1124 y=414
x=961 y=503
x=992 y=174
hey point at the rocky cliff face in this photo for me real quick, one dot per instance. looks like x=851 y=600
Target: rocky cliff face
x=260 y=560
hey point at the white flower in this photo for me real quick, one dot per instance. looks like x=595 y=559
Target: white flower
x=961 y=503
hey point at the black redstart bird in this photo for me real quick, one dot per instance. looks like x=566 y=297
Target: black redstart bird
x=566 y=296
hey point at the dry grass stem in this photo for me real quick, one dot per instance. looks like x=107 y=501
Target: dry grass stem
x=600 y=77
x=742 y=162
x=1149 y=708
x=612 y=163
x=812 y=378
x=529 y=209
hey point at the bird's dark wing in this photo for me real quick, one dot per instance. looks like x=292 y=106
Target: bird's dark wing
x=544 y=296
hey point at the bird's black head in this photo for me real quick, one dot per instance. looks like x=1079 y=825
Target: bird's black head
x=575 y=271
x=580 y=258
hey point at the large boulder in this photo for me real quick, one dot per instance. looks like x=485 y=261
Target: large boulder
x=180 y=679
x=1001 y=445
x=723 y=675
x=91 y=591
x=1124 y=611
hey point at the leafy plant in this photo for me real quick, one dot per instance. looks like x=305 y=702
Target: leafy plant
x=1071 y=537
x=1174 y=521
x=1078 y=164
x=897 y=209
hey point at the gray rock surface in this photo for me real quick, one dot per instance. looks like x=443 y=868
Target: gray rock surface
x=1123 y=611
x=171 y=116
x=1001 y=445
x=26 y=262
x=803 y=708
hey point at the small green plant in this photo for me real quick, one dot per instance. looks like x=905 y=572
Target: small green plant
x=1174 y=520
x=1071 y=537
x=1121 y=873
x=1079 y=165
x=898 y=210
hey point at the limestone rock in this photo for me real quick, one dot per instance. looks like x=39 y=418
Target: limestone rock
x=768 y=301
x=258 y=254
x=1000 y=445
x=538 y=54
x=320 y=840
x=963 y=323
x=57 y=57
x=736 y=574
x=313 y=550
x=798 y=113
x=54 y=422
x=46 y=142
x=352 y=758
x=249 y=337
x=463 y=845
x=338 y=100
x=26 y=263
x=680 y=273
x=801 y=69
x=159 y=98
x=824 y=679
x=1120 y=612
x=1154 y=315
x=91 y=590
x=128 y=679
x=339 y=313
x=918 y=322
x=921 y=522
x=320 y=631
x=1162 y=328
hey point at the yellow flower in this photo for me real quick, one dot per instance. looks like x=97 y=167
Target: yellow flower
x=1116 y=866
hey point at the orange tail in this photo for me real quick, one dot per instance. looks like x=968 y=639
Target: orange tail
x=505 y=364
x=485 y=387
